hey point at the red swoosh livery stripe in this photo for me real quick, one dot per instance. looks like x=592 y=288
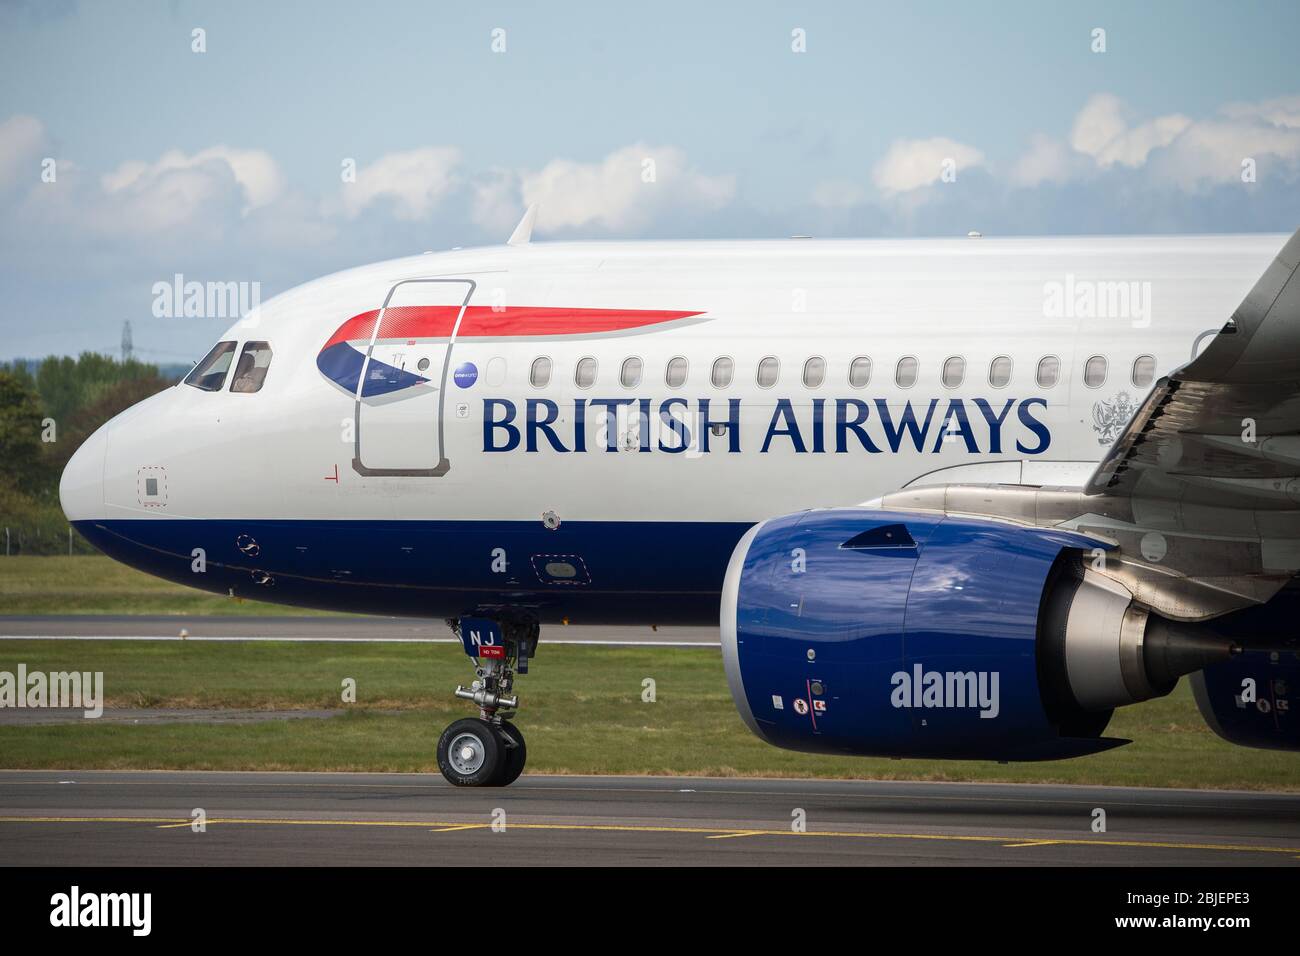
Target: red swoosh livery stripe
x=481 y=321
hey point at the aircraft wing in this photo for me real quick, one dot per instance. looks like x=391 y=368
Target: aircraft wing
x=1201 y=493
x=1223 y=431
x=1199 y=499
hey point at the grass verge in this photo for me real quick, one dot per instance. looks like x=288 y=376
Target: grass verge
x=95 y=584
x=582 y=713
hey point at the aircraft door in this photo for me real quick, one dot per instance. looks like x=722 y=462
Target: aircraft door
x=400 y=397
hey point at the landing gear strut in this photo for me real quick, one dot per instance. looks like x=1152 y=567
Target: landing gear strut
x=489 y=750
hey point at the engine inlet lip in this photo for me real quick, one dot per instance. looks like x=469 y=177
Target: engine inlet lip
x=729 y=626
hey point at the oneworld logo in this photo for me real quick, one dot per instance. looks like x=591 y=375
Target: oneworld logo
x=465 y=375
x=74 y=908
x=83 y=690
x=946 y=689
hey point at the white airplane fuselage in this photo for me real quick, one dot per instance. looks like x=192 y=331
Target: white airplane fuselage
x=414 y=459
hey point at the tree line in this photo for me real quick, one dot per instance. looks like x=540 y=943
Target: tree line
x=47 y=409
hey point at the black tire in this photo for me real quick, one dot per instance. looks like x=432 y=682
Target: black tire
x=470 y=754
x=513 y=758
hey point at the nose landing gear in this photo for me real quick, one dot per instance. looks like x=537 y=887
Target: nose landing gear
x=489 y=750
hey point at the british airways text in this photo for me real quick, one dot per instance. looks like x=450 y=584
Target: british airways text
x=823 y=425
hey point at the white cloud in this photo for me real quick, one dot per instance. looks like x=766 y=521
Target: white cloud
x=222 y=197
x=1101 y=131
x=138 y=200
x=1170 y=150
x=254 y=170
x=221 y=200
x=1282 y=111
x=22 y=139
x=1213 y=151
x=1047 y=161
x=496 y=205
x=626 y=190
x=912 y=163
x=415 y=181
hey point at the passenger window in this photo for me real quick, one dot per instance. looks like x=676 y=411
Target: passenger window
x=954 y=371
x=905 y=373
x=1000 y=371
x=814 y=372
x=630 y=374
x=860 y=372
x=1094 y=372
x=1144 y=370
x=584 y=373
x=496 y=371
x=210 y=374
x=769 y=370
x=540 y=375
x=250 y=373
x=722 y=371
x=1049 y=371
x=677 y=369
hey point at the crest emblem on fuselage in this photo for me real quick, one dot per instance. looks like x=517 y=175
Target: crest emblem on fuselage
x=1110 y=417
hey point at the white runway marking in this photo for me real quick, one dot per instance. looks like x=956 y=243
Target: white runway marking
x=332 y=640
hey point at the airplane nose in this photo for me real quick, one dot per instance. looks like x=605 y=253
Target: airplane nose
x=81 y=489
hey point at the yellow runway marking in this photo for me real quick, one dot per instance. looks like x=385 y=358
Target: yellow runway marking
x=447 y=826
x=728 y=836
x=91 y=780
x=463 y=826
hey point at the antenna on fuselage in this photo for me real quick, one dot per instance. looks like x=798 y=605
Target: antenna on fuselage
x=524 y=231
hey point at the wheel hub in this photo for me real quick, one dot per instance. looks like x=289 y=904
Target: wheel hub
x=466 y=754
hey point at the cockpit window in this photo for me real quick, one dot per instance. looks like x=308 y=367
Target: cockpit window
x=210 y=373
x=250 y=373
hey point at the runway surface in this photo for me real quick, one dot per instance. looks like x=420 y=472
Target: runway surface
x=144 y=818
x=315 y=629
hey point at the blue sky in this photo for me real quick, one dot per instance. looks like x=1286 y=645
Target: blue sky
x=226 y=165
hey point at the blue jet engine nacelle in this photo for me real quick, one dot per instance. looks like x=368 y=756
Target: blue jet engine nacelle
x=863 y=631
